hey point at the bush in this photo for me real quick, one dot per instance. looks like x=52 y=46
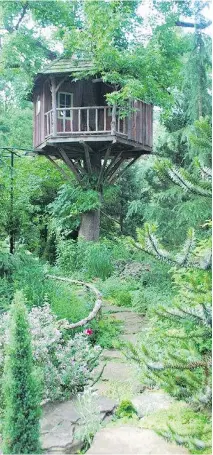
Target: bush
x=182 y=425
x=66 y=364
x=105 y=332
x=92 y=259
x=65 y=303
x=119 y=292
x=125 y=409
x=20 y=386
x=99 y=262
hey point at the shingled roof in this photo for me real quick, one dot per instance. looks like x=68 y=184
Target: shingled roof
x=67 y=65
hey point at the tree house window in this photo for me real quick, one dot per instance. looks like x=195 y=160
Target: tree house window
x=65 y=103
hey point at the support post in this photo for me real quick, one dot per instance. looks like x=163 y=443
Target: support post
x=54 y=106
x=70 y=164
x=113 y=122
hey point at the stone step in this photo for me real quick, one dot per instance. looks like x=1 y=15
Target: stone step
x=132 y=440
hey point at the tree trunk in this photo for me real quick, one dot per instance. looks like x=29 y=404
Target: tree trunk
x=90 y=226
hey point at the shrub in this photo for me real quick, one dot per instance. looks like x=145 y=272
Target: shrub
x=182 y=425
x=66 y=364
x=99 y=261
x=105 y=332
x=125 y=409
x=20 y=386
x=92 y=259
x=119 y=292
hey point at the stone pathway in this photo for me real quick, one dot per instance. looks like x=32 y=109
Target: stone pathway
x=119 y=381
x=131 y=440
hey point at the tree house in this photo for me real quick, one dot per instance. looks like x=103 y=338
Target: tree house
x=74 y=123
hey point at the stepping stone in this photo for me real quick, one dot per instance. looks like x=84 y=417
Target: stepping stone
x=107 y=308
x=112 y=354
x=132 y=440
x=117 y=371
x=151 y=401
x=130 y=338
x=60 y=421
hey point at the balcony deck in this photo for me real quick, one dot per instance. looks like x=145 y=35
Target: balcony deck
x=70 y=127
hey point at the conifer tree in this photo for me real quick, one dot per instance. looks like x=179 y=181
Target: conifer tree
x=182 y=364
x=20 y=386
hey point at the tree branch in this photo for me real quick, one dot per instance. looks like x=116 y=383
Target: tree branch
x=200 y=26
x=94 y=312
x=24 y=10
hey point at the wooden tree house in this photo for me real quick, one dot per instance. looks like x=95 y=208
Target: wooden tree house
x=74 y=123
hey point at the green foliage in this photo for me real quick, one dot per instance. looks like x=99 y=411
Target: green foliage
x=149 y=243
x=119 y=292
x=20 y=387
x=92 y=259
x=99 y=261
x=106 y=332
x=182 y=425
x=182 y=365
x=71 y=202
x=125 y=409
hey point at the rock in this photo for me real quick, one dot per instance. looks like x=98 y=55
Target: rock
x=132 y=440
x=106 y=405
x=60 y=420
x=151 y=401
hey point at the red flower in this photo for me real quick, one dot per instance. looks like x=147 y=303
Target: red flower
x=88 y=331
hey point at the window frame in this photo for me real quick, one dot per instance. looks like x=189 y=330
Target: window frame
x=58 y=105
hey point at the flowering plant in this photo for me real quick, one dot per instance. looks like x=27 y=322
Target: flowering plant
x=66 y=365
x=88 y=332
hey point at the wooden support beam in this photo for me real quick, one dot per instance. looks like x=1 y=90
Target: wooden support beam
x=70 y=164
x=54 y=116
x=114 y=170
x=113 y=162
x=59 y=168
x=106 y=156
x=60 y=83
x=112 y=180
x=113 y=122
x=87 y=150
x=78 y=166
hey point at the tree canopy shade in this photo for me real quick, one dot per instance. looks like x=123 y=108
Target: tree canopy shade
x=139 y=64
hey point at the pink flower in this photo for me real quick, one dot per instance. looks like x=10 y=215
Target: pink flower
x=88 y=331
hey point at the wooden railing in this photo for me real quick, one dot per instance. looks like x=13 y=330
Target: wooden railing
x=84 y=120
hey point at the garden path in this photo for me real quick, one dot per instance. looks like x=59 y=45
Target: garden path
x=62 y=422
x=120 y=380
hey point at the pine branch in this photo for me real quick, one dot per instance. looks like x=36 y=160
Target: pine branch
x=148 y=243
x=176 y=177
x=188 y=366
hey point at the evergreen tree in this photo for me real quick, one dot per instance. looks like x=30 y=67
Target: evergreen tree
x=20 y=387
x=182 y=365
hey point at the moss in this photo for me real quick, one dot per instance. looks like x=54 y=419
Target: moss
x=181 y=424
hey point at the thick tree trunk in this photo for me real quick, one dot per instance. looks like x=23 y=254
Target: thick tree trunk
x=90 y=226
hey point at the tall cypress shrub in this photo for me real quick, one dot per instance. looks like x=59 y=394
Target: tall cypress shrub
x=20 y=386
